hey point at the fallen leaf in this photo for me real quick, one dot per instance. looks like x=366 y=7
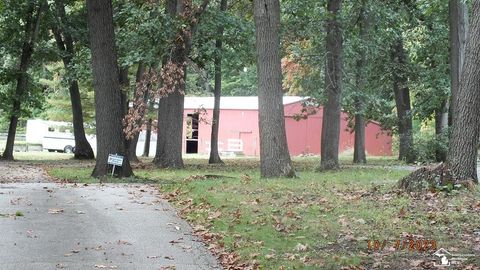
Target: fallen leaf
x=415 y=263
x=270 y=256
x=105 y=266
x=168 y=267
x=214 y=215
x=55 y=211
x=301 y=247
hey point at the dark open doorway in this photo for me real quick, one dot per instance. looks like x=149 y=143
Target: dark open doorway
x=192 y=133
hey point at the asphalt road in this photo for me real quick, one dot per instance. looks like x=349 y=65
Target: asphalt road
x=94 y=227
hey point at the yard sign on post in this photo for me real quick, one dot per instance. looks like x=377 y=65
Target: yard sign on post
x=115 y=160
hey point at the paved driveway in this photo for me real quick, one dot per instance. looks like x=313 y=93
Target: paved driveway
x=94 y=227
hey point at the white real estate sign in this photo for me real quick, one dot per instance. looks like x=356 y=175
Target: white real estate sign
x=115 y=160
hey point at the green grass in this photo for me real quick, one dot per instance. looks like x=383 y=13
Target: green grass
x=41 y=156
x=19 y=214
x=316 y=221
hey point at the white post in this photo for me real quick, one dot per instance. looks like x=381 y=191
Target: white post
x=113 y=170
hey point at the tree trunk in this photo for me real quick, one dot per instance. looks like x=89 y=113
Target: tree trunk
x=32 y=27
x=170 y=113
x=108 y=97
x=458 y=17
x=333 y=88
x=274 y=156
x=170 y=108
x=148 y=135
x=402 y=101
x=462 y=152
x=170 y=131
x=83 y=149
x=124 y=82
x=217 y=92
x=359 y=155
x=441 y=130
x=132 y=148
x=64 y=40
x=132 y=144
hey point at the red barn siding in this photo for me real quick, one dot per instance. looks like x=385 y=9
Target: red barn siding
x=234 y=124
x=303 y=136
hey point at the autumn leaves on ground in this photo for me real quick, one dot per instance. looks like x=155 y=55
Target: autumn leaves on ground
x=354 y=218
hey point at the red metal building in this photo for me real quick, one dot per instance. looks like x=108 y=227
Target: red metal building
x=239 y=131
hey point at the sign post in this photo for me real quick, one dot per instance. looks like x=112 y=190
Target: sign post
x=115 y=160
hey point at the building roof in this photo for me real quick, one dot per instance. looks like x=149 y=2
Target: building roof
x=232 y=103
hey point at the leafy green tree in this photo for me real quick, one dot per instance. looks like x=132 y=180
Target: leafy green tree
x=108 y=100
x=214 y=156
x=274 y=156
x=333 y=87
x=463 y=150
x=31 y=14
x=61 y=29
x=170 y=112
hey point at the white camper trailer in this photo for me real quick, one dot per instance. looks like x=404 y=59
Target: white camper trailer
x=54 y=136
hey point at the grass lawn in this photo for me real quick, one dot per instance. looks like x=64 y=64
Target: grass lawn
x=352 y=218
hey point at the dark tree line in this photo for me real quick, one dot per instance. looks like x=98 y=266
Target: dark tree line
x=161 y=78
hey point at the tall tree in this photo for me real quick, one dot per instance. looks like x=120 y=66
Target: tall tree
x=463 y=148
x=34 y=14
x=214 y=156
x=402 y=101
x=139 y=108
x=108 y=96
x=274 y=156
x=65 y=45
x=458 y=18
x=170 y=107
x=359 y=155
x=148 y=136
x=170 y=111
x=333 y=88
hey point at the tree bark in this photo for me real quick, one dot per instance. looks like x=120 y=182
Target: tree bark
x=217 y=92
x=170 y=108
x=463 y=148
x=170 y=113
x=132 y=144
x=274 y=156
x=170 y=131
x=402 y=101
x=333 y=88
x=441 y=129
x=108 y=97
x=124 y=82
x=458 y=18
x=32 y=28
x=359 y=155
x=64 y=40
x=148 y=135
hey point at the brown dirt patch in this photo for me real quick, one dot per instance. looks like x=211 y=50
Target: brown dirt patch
x=19 y=172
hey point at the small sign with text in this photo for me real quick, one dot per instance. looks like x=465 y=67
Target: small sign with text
x=115 y=160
